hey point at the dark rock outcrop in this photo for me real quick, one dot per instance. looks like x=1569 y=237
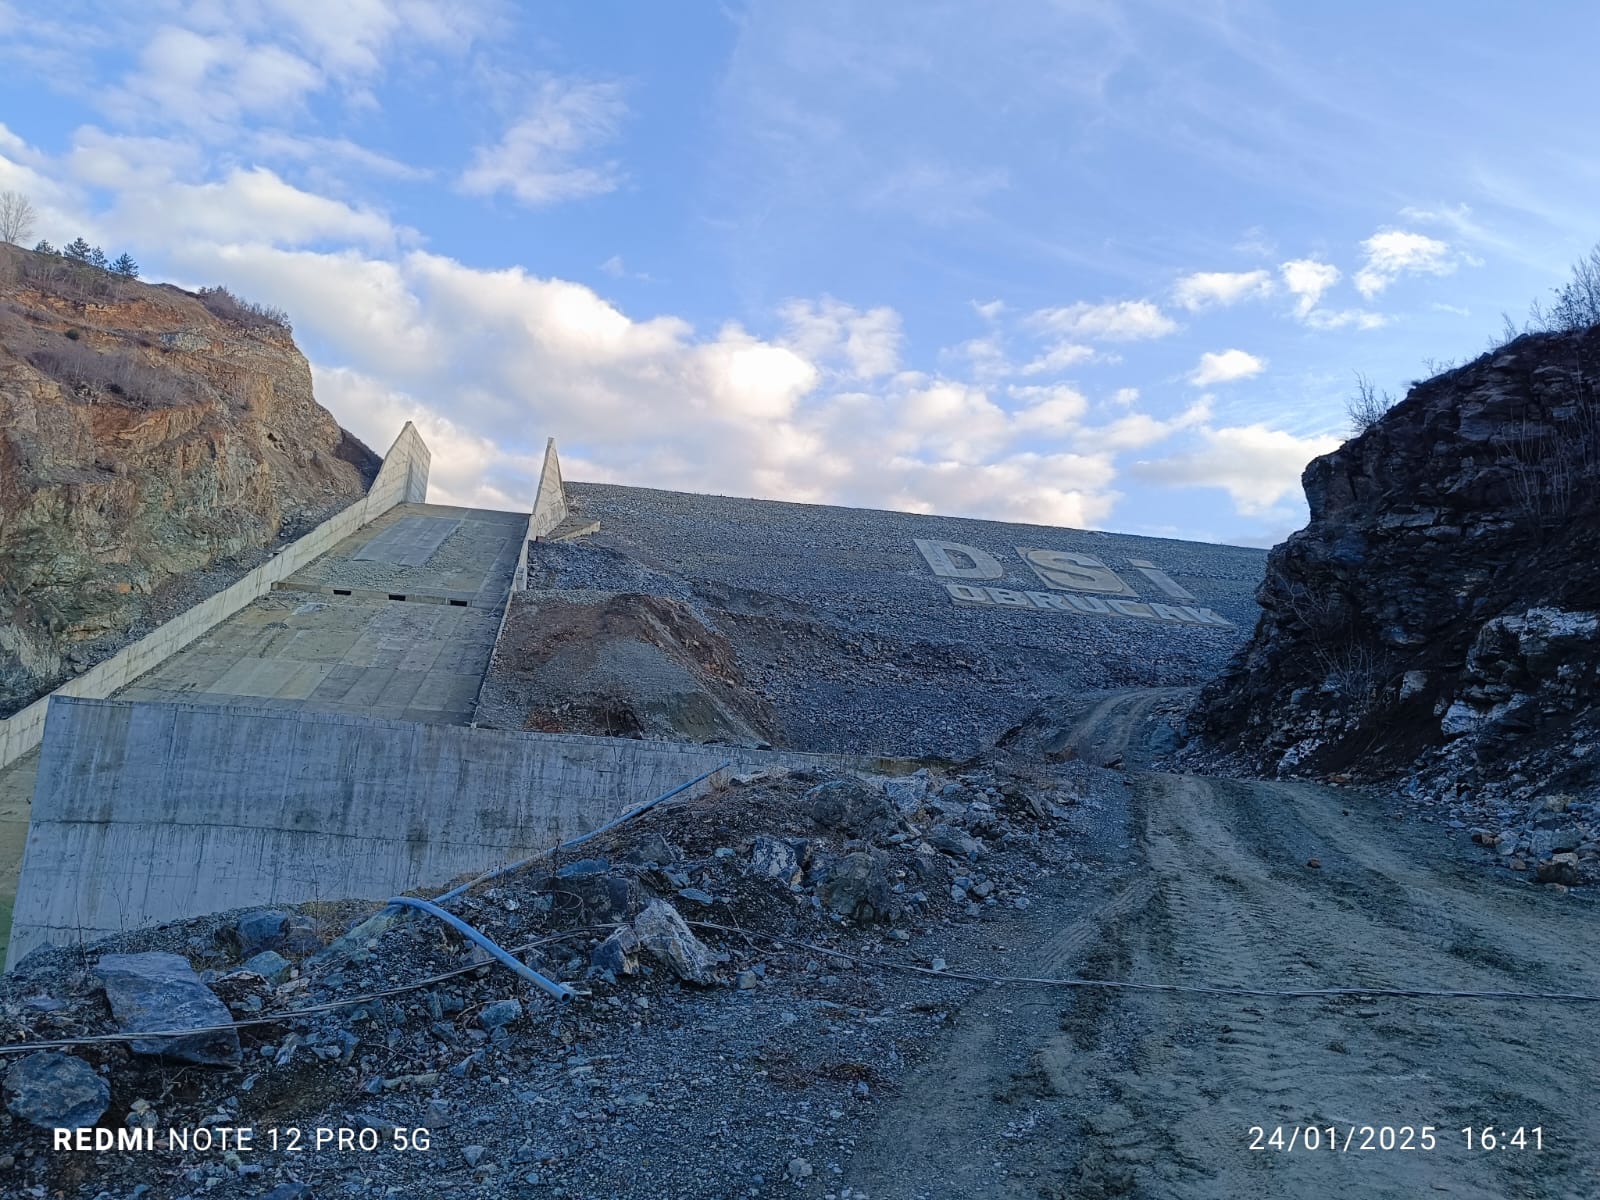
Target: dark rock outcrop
x=1437 y=616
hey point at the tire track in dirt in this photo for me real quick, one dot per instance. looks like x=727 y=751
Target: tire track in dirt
x=1038 y=1093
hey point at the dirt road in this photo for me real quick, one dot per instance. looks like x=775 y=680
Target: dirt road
x=1035 y=1092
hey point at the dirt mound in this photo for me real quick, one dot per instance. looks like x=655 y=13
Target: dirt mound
x=622 y=665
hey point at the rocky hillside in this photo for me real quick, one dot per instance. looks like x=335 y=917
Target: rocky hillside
x=154 y=444
x=1437 y=616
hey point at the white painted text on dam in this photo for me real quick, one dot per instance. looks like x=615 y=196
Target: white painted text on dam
x=1078 y=583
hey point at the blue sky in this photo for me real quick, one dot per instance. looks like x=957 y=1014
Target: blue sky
x=1096 y=264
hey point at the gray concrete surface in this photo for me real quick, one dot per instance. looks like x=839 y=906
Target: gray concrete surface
x=550 y=496
x=418 y=660
x=425 y=552
x=148 y=812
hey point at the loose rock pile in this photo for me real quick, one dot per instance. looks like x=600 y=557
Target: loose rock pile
x=694 y=932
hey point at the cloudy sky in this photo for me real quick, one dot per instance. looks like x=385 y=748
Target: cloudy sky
x=1098 y=264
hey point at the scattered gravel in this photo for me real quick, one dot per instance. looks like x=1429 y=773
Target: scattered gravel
x=755 y=1084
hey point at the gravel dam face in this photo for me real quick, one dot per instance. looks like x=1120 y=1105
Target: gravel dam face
x=846 y=630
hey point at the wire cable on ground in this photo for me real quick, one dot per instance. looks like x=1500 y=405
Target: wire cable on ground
x=1373 y=993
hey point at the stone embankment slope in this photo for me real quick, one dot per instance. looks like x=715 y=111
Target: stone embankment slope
x=1439 y=617
x=848 y=630
x=151 y=451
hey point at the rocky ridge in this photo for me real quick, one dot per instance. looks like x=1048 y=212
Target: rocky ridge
x=1435 y=623
x=154 y=445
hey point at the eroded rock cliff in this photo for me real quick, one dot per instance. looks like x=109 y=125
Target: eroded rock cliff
x=1437 y=617
x=152 y=448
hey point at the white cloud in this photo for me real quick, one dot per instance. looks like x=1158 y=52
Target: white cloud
x=1121 y=320
x=865 y=344
x=257 y=205
x=1054 y=489
x=1345 y=318
x=950 y=421
x=1138 y=430
x=1391 y=253
x=1219 y=289
x=1308 y=279
x=983 y=358
x=211 y=81
x=333 y=152
x=1256 y=465
x=1226 y=366
x=490 y=361
x=205 y=66
x=989 y=310
x=467 y=468
x=1054 y=411
x=1256 y=242
x=935 y=193
x=1059 y=357
x=538 y=160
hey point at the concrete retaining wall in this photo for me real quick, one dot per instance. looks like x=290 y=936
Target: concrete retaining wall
x=148 y=812
x=403 y=478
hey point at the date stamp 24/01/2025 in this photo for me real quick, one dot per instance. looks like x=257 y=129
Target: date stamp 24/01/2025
x=1361 y=1139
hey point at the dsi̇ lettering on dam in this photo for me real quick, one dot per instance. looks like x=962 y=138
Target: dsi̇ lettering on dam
x=1077 y=583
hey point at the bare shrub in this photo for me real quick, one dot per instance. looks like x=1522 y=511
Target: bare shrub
x=223 y=303
x=1366 y=408
x=1353 y=670
x=1577 y=302
x=82 y=368
x=68 y=277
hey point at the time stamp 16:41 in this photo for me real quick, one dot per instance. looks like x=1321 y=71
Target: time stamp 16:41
x=1354 y=1139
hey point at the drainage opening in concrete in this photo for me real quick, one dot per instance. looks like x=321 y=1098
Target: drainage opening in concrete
x=392 y=596
x=341 y=591
x=458 y=603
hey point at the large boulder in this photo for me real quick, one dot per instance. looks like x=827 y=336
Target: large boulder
x=665 y=936
x=588 y=892
x=617 y=955
x=272 y=929
x=857 y=886
x=853 y=808
x=774 y=858
x=56 y=1091
x=156 y=991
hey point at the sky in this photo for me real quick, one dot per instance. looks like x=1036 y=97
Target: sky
x=1093 y=264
